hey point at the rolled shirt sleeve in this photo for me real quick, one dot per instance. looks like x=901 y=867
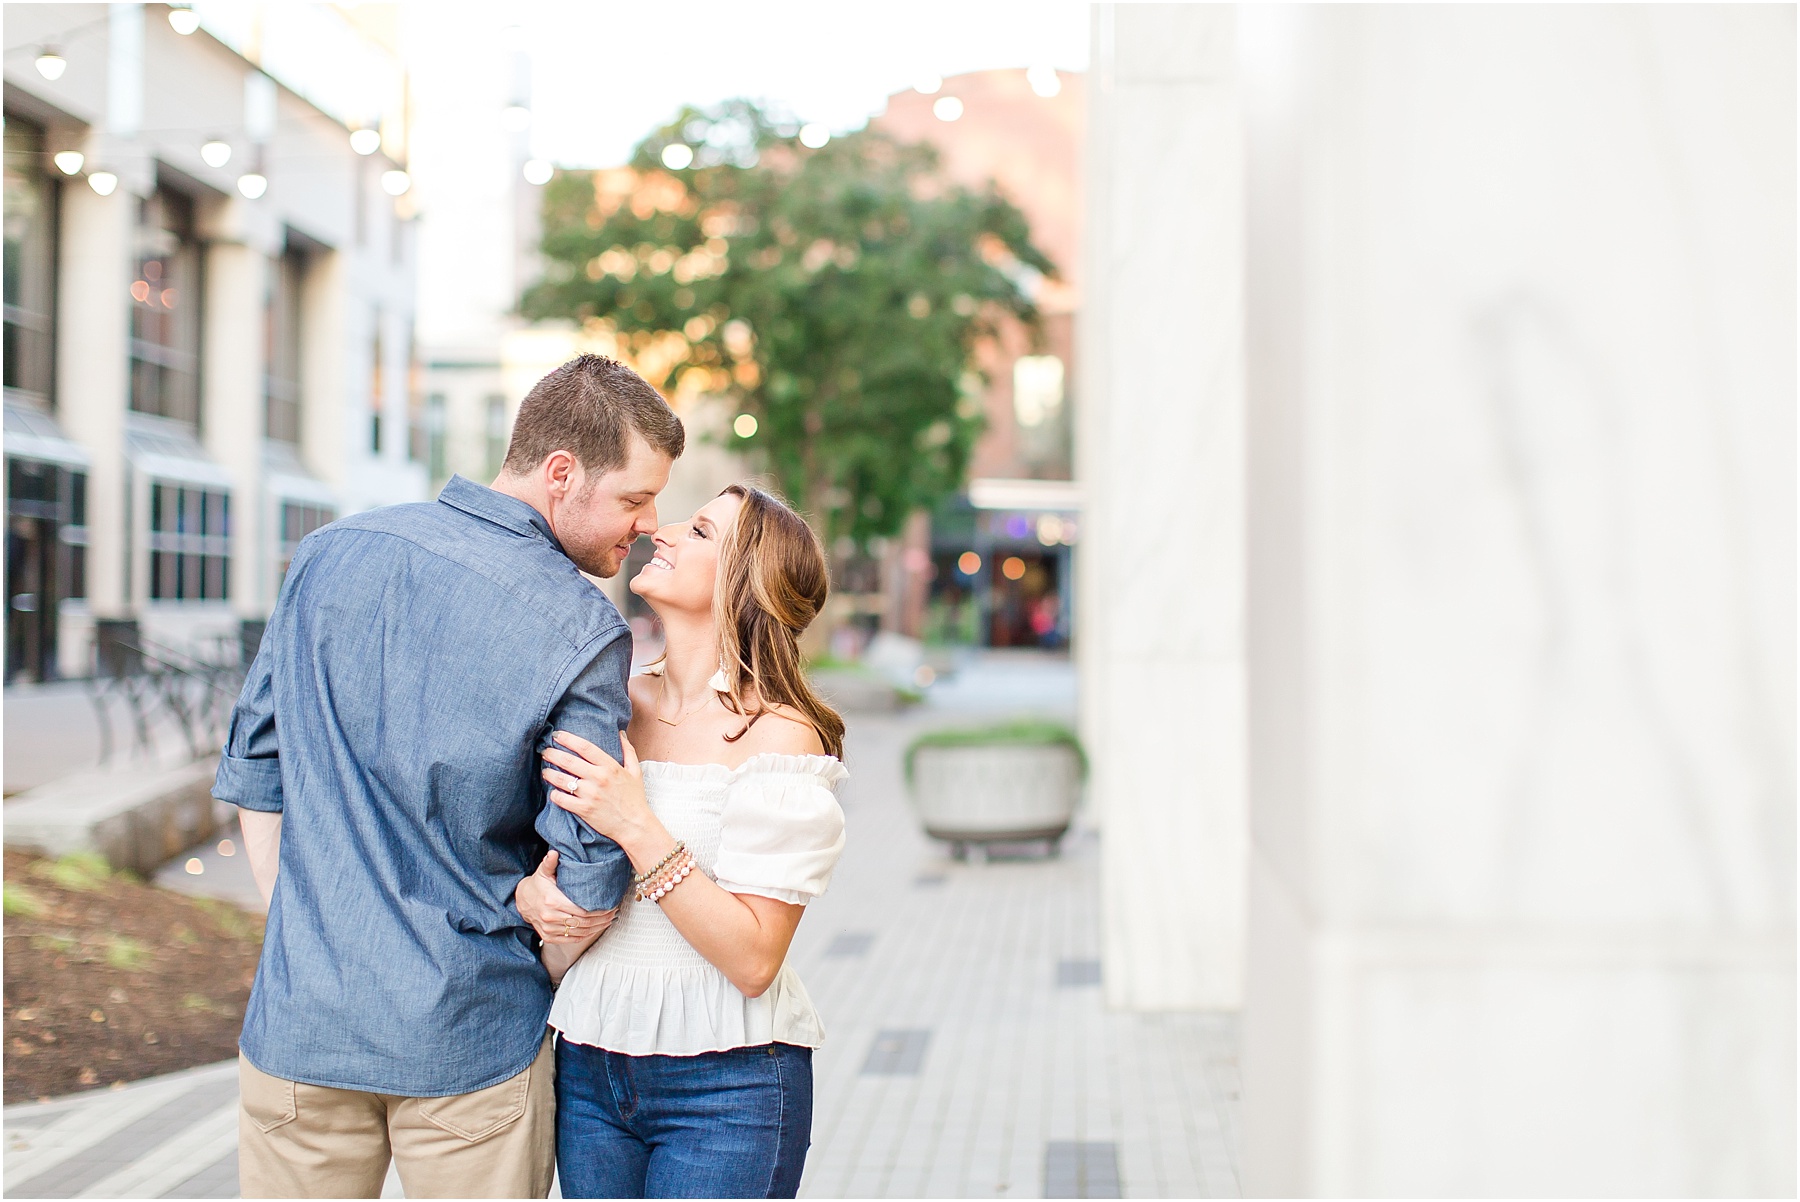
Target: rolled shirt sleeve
x=249 y=774
x=592 y=870
x=782 y=830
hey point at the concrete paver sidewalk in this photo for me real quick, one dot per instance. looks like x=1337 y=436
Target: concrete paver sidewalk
x=968 y=1051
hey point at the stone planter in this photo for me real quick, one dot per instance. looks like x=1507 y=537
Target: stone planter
x=1003 y=792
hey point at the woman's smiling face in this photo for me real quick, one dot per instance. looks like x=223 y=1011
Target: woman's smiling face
x=681 y=573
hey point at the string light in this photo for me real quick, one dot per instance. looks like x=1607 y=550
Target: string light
x=183 y=20
x=252 y=184
x=814 y=135
x=677 y=156
x=365 y=141
x=538 y=171
x=1044 y=80
x=947 y=108
x=50 y=64
x=216 y=152
x=103 y=182
x=515 y=118
x=395 y=183
x=69 y=161
x=928 y=85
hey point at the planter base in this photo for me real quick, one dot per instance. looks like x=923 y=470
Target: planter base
x=973 y=845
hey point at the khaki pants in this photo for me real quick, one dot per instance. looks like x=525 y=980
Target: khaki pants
x=308 y=1141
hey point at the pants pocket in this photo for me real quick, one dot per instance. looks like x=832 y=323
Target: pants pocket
x=269 y=1101
x=476 y=1116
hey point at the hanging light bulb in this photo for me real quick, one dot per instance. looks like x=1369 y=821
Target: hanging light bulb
x=183 y=20
x=814 y=135
x=515 y=118
x=50 y=64
x=677 y=156
x=395 y=183
x=365 y=141
x=252 y=184
x=69 y=161
x=103 y=182
x=538 y=171
x=216 y=152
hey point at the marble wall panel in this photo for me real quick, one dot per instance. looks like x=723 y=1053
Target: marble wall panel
x=1160 y=458
x=1521 y=344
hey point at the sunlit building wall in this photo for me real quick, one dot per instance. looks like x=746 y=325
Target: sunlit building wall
x=998 y=564
x=211 y=309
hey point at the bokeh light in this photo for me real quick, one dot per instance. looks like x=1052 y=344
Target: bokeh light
x=1044 y=80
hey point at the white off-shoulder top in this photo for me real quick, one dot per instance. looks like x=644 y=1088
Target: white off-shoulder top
x=771 y=827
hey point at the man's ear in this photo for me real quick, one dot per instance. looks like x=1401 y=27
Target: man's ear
x=559 y=472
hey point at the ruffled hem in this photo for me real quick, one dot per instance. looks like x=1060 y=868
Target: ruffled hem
x=827 y=768
x=640 y=1011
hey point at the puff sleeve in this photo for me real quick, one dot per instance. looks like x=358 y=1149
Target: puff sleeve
x=782 y=829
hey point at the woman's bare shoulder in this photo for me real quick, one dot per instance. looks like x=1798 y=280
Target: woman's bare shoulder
x=783 y=730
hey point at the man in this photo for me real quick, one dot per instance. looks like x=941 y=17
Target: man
x=384 y=757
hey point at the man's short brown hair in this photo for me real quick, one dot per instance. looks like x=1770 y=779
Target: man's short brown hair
x=586 y=407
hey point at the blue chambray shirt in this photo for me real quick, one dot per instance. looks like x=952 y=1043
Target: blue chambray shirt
x=415 y=664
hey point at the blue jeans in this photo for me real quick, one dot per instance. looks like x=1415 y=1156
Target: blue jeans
x=732 y=1124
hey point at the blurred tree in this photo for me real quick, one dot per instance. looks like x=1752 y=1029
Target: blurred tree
x=836 y=294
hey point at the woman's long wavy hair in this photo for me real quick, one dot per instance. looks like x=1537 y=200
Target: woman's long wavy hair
x=772 y=582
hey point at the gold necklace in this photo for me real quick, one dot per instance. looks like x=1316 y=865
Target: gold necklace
x=689 y=713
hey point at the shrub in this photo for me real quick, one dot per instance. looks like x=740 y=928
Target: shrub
x=1026 y=732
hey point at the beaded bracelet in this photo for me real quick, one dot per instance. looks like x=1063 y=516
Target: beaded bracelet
x=656 y=890
x=641 y=877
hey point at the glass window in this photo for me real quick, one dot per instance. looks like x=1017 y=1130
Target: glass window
x=30 y=262
x=281 y=346
x=377 y=393
x=190 y=543
x=436 y=430
x=496 y=434
x=298 y=521
x=165 y=309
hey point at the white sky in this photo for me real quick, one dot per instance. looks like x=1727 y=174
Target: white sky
x=604 y=74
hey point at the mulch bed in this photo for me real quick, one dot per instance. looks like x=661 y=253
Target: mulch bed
x=109 y=979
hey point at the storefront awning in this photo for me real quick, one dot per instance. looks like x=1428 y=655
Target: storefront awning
x=286 y=477
x=167 y=451
x=33 y=434
x=1059 y=496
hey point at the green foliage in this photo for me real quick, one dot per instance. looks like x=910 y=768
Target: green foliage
x=124 y=952
x=21 y=902
x=1031 y=732
x=81 y=871
x=232 y=922
x=834 y=294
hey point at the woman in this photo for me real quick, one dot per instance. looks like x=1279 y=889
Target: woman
x=684 y=1063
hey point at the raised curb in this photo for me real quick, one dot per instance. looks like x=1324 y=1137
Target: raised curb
x=135 y=818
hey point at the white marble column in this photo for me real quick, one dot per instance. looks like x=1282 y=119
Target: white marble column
x=1521 y=393
x=1159 y=453
x=232 y=412
x=93 y=321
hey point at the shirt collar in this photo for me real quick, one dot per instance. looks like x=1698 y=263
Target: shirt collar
x=496 y=507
